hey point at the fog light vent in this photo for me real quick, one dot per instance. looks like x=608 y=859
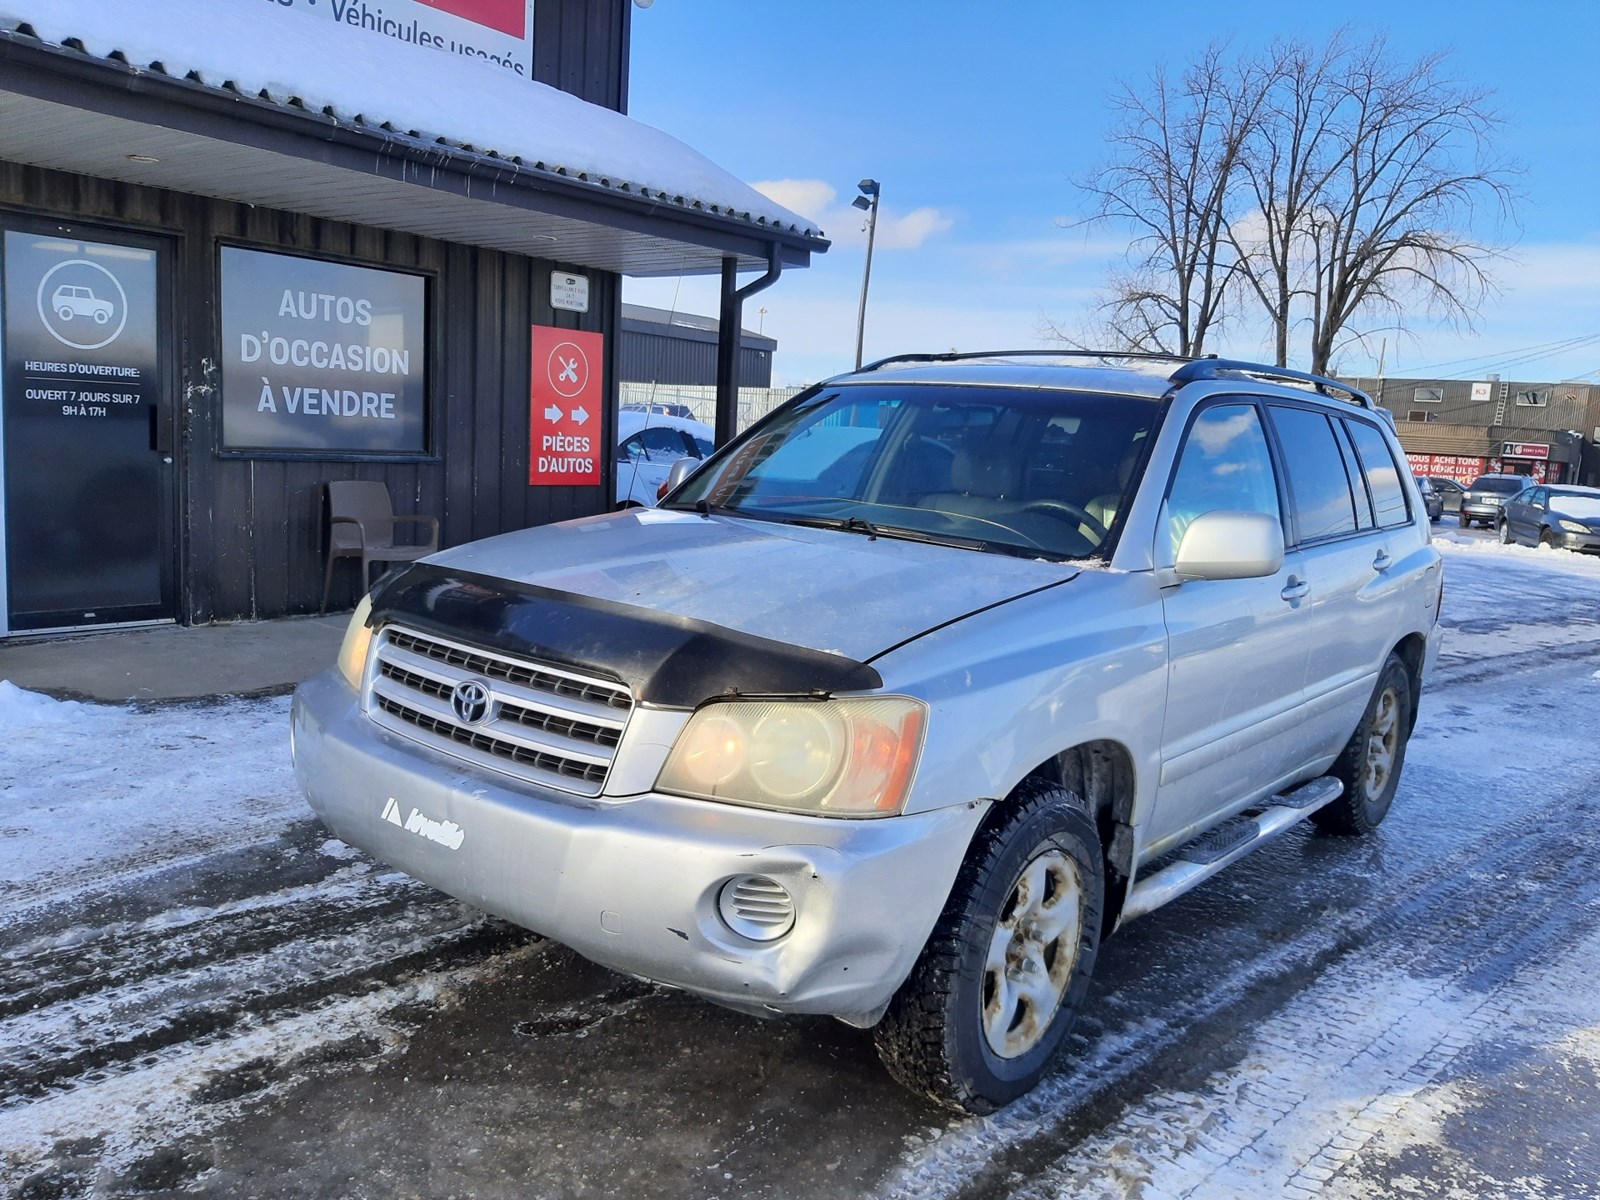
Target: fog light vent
x=756 y=907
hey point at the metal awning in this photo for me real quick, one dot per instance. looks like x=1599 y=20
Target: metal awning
x=68 y=110
x=1431 y=437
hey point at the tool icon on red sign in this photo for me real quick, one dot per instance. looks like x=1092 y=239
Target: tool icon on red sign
x=568 y=368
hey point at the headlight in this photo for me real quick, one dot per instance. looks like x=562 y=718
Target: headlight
x=1573 y=527
x=353 y=650
x=841 y=758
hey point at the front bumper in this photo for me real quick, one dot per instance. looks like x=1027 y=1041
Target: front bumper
x=1588 y=542
x=633 y=883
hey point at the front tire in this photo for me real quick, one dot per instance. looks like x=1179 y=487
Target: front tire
x=1546 y=538
x=1370 y=764
x=999 y=983
x=1505 y=533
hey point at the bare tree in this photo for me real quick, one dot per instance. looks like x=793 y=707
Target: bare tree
x=1286 y=158
x=1172 y=163
x=1392 y=227
x=1331 y=185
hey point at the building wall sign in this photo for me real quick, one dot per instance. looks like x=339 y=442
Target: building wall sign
x=1463 y=468
x=1482 y=392
x=569 y=292
x=497 y=31
x=322 y=358
x=564 y=400
x=1525 y=450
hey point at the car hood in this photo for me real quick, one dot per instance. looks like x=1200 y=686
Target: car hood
x=823 y=589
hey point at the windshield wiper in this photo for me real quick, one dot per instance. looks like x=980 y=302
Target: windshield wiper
x=861 y=525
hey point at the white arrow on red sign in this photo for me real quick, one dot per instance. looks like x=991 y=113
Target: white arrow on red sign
x=553 y=414
x=580 y=415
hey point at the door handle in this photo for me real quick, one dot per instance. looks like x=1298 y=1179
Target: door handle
x=1381 y=563
x=1296 y=589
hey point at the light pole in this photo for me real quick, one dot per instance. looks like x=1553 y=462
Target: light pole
x=868 y=200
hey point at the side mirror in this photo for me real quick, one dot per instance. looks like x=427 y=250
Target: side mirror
x=680 y=470
x=1230 y=545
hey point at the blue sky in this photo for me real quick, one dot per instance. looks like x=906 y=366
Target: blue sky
x=975 y=116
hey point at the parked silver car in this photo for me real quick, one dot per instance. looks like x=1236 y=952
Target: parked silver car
x=1555 y=515
x=909 y=695
x=1484 y=495
x=1450 y=492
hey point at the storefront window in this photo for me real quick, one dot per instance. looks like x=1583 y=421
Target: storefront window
x=322 y=358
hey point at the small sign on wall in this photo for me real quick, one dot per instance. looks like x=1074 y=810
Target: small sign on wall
x=568 y=292
x=565 y=396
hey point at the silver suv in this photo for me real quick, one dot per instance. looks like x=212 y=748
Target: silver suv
x=908 y=696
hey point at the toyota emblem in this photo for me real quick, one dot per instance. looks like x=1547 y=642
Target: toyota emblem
x=470 y=701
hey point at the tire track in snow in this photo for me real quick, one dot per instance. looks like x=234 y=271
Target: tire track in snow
x=1350 y=1060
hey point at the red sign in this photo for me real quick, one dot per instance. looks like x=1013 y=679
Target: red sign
x=1526 y=450
x=508 y=16
x=1463 y=468
x=564 y=408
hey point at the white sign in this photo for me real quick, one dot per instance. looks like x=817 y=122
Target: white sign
x=1482 y=391
x=497 y=31
x=570 y=292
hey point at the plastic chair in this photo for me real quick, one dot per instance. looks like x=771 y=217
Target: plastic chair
x=361 y=525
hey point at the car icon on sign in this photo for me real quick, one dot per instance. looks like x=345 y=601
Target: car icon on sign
x=71 y=300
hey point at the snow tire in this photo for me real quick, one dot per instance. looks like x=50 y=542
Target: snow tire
x=1370 y=764
x=935 y=1037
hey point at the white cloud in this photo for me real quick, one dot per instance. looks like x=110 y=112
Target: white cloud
x=845 y=224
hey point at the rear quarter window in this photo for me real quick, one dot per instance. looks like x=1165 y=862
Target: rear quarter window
x=1383 y=476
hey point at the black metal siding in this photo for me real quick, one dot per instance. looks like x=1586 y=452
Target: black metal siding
x=250 y=529
x=660 y=358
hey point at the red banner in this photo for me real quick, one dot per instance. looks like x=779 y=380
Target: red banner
x=508 y=16
x=1463 y=468
x=565 y=395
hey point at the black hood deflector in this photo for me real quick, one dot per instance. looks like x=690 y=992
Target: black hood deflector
x=673 y=661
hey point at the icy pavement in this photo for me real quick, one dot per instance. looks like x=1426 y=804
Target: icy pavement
x=200 y=992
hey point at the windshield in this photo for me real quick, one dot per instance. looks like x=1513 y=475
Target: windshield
x=1585 y=506
x=1024 y=471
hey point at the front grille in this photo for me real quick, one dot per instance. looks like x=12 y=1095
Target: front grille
x=541 y=723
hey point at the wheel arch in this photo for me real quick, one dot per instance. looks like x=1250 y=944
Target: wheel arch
x=1412 y=650
x=1101 y=773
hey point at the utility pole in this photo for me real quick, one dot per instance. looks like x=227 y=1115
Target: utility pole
x=868 y=200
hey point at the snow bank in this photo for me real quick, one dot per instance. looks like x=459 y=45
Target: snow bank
x=326 y=64
x=88 y=791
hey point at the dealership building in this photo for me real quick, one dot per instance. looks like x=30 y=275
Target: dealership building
x=250 y=248
x=1460 y=428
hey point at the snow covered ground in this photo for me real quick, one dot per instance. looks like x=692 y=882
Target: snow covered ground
x=197 y=984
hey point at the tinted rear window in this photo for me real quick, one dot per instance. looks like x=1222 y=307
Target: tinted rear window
x=1383 y=477
x=1505 y=487
x=1317 y=479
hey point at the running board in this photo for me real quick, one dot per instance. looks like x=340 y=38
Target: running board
x=1227 y=843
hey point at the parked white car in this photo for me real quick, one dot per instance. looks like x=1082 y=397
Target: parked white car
x=909 y=696
x=648 y=443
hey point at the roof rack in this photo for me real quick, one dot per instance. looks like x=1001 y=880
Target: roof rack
x=1229 y=368
x=1207 y=366
x=958 y=355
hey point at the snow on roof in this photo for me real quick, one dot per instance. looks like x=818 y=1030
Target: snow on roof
x=338 y=71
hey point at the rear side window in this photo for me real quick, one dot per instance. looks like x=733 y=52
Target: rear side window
x=1383 y=477
x=1318 y=486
